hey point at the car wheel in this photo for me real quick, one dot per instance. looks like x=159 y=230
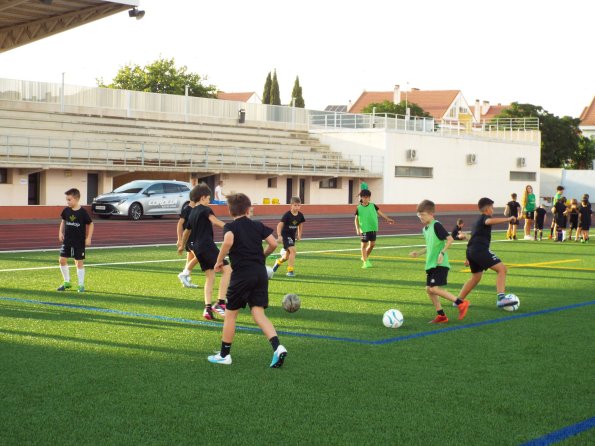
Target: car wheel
x=135 y=212
x=104 y=217
x=157 y=216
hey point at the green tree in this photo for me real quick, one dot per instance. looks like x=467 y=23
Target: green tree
x=266 y=94
x=275 y=95
x=585 y=154
x=297 y=99
x=161 y=76
x=391 y=108
x=559 y=136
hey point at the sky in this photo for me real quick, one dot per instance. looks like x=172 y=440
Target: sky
x=529 y=51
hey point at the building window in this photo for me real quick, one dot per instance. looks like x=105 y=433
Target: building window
x=522 y=176
x=414 y=172
x=329 y=183
x=272 y=183
x=3 y=176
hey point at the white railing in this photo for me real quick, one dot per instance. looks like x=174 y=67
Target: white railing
x=80 y=153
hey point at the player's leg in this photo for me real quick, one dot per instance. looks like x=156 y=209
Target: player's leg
x=291 y=253
x=191 y=262
x=220 y=306
x=229 y=329
x=440 y=315
x=279 y=352
x=470 y=284
x=208 y=294
x=80 y=273
x=63 y=262
x=284 y=254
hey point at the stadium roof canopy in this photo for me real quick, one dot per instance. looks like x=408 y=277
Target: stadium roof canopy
x=25 y=21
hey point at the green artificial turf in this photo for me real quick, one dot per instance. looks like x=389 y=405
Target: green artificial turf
x=72 y=374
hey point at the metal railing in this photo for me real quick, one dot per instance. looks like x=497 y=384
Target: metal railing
x=73 y=153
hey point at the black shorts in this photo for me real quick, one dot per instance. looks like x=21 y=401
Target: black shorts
x=437 y=276
x=208 y=258
x=480 y=261
x=573 y=224
x=189 y=246
x=73 y=252
x=529 y=215
x=368 y=236
x=561 y=222
x=288 y=241
x=584 y=226
x=248 y=287
x=539 y=224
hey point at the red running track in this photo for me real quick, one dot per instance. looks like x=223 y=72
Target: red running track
x=37 y=235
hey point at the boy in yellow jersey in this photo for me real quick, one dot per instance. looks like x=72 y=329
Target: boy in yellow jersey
x=437 y=242
x=366 y=225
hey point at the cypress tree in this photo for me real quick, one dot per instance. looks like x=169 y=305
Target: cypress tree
x=266 y=94
x=297 y=99
x=275 y=95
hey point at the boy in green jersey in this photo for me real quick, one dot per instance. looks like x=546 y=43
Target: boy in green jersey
x=437 y=242
x=366 y=224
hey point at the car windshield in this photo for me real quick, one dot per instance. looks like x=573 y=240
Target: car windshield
x=133 y=187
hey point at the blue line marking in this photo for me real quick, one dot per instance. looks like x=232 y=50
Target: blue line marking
x=295 y=333
x=562 y=434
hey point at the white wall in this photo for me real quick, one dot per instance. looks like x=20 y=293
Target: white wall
x=55 y=182
x=16 y=191
x=575 y=182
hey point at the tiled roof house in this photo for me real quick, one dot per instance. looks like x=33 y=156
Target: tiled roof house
x=587 y=118
x=248 y=97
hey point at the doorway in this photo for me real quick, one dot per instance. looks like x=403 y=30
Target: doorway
x=209 y=181
x=34 y=186
x=289 y=193
x=350 y=192
x=92 y=186
x=302 y=189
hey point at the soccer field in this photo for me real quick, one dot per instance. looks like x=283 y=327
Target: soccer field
x=125 y=362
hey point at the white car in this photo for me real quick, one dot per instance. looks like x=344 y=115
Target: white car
x=143 y=197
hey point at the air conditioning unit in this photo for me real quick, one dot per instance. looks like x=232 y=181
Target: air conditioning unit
x=521 y=162
x=411 y=155
x=472 y=158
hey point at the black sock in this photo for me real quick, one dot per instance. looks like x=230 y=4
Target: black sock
x=501 y=296
x=221 y=301
x=274 y=342
x=225 y=348
x=459 y=301
x=441 y=312
x=209 y=306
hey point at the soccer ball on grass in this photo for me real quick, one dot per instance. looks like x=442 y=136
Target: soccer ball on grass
x=512 y=307
x=291 y=303
x=393 y=319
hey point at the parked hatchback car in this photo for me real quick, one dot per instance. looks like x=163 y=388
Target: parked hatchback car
x=143 y=197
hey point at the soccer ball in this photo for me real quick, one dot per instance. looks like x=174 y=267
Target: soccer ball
x=512 y=307
x=291 y=303
x=270 y=272
x=393 y=319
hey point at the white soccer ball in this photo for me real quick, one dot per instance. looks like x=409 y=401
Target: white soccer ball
x=393 y=319
x=270 y=272
x=512 y=307
x=291 y=303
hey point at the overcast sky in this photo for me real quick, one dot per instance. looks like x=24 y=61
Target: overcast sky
x=534 y=51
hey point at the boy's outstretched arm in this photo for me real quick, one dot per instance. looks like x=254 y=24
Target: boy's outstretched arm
x=497 y=220
x=271 y=245
x=386 y=217
x=225 y=247
x=215 y=221
x=279 y=230
x=180 y=230
x=418 y=253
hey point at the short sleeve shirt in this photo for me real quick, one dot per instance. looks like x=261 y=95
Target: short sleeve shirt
x=75 y=226
x=481 y=235
x=246 y=252
x=540 y=215
x=367 y=217
x=291 y=223
x=514 y=207
x=185 y=215
x=201 y=228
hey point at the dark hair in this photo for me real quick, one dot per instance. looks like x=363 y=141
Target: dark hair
x=426 y=206
x=484 y=202
x=238 y=204
x=295 y=200
x=74 y=192
x=199 y=191
x=560 y=187
x=513 y=195
x=365 y=193
x=459 y=221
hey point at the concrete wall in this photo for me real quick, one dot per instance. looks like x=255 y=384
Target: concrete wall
x=15 y=191
x=575 y=182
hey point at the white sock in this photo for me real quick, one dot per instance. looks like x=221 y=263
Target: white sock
x=65 y=272
x=186 y=272
x=81 y=276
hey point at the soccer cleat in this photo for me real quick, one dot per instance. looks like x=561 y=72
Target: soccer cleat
x=367 y=264
x=463 y=309
x=528 y=237
x=278 y=357
x=208 y=314
x=219 y=309
x=185 y=279
x=439 y=319
x=218 y=359
x=276 y=266
x=65 y=286
x=290 y=274
x=506 y=302
x=81 y=289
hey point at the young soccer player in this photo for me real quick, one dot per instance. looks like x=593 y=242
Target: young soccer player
x=457 y=232
x=366 y=225
x=572 y=213
x=585 y=218
x=242 y=240
x=514 y=209
x=437 y=242
x=559 y=193
x=289 y=230
x=559 y=211
x=528 y=210
x=540 y=215
x=479 y=256
x=76 y=231
x=191 y=261
x=199 y=229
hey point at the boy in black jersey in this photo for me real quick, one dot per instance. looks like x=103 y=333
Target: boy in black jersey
x=74 y=236
x=191 y=260
x=540 y=214
x=242 y=240
x=457 y=233
x=289 y=230
x=479 y=256
x=584 y=222
x=199 y=230
x=514 y=210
